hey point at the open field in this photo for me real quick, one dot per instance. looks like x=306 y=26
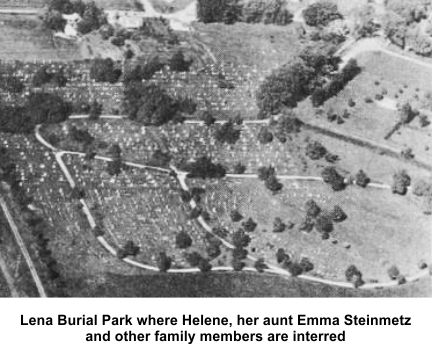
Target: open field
x=24 y=38
x=377 y=235
x=371 y=120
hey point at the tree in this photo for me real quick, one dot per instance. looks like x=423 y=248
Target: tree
x=324 y=224
x=285 y=87
x=240 y=238
x=393 y=272
x=178 y=63
x=11 y=84
x=407 y=113
x=92 y=16
x=401 y=181
x=282 y=257
x=144 y=72
x=338 y=215
x=193 y=258
x=249 y=225
x=315 y=150
x=236 y=216
x=204 y=265
x=306 y=225
x=239 y=168
x=163 y=262
x=286 y=125
x=149 y=104
x=295 y=269
x=208 y=118
x=95 y=110
x=273 y=184
x=227 y=133
x=354 y=276
x=53 y=20
x=204 y=168
x=321 y=13
x=332 y=177
x=278 y=225
x=104 y=70
x=41 y=77
x=183 y=240
x=306 y=264
x=361 y=179
x=265 y=136
x=260 y=266
x=312 y=209
x=160 y=159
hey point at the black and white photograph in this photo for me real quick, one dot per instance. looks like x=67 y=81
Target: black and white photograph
x=215 y=148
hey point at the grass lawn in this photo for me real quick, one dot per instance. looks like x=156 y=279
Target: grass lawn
x=23 y=38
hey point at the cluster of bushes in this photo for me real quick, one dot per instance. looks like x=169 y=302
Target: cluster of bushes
x=39 y=108
x=248 y=11
x=129 y=249
x=196 y=260
x=321 y=13
x=178 y=62
x=92 y=17
x=44 y=76
x=104 y=70
x=11 y=84
x=332 y=177
x=337 y=83
x=37 y=225
x=286 y=125
x=149 y=104
x=158 y=29
x=297 y=79
x=271 y=182
x=294 y=267
x=204 y=168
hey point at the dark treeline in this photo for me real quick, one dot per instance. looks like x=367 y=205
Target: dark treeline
x=39 y=108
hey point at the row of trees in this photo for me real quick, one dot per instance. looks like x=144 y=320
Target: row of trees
x=50 y=270
x=297 y=79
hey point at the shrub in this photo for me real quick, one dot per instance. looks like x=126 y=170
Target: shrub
x=208 y=118
x=282 y=257
x=306 y=225
x=422 y=188
x=306 y=264
x=53 y=20
x=393 y=272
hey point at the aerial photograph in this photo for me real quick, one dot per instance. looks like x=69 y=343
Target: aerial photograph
x=215 y=148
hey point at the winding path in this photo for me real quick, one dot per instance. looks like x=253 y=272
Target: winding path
x=181 y=177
